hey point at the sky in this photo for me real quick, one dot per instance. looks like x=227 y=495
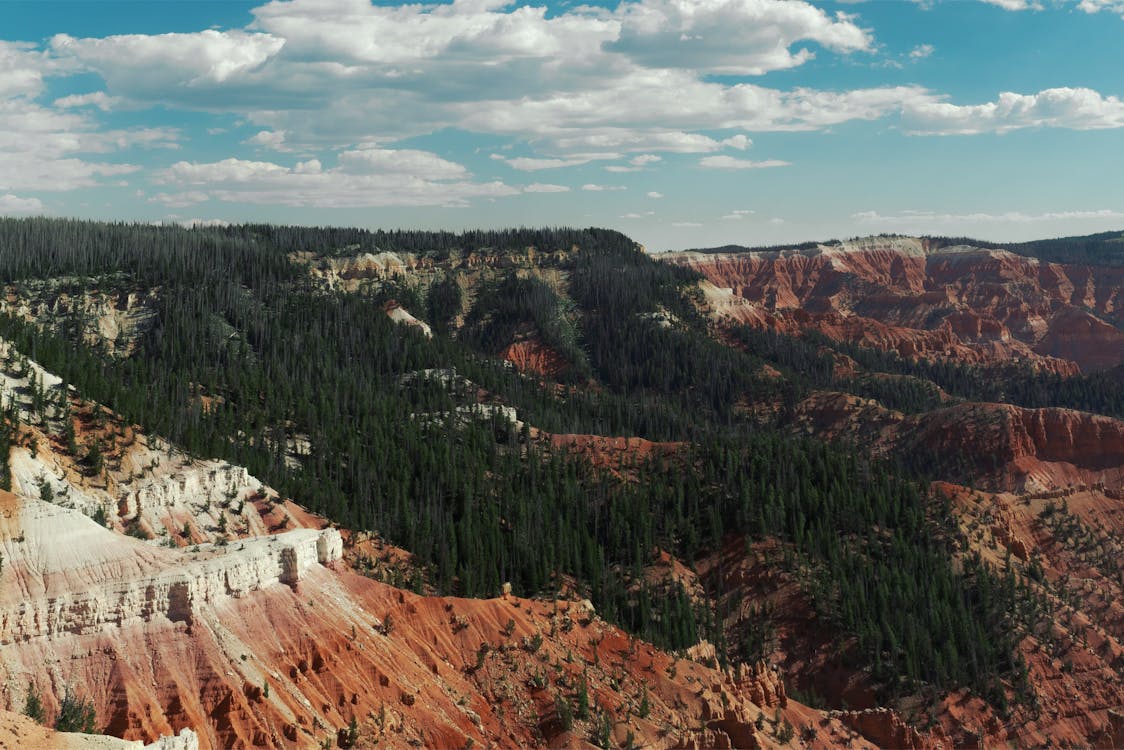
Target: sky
x=682 y=123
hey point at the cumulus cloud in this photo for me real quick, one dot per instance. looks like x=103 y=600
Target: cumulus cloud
x=47 y=148
x=571 y=81
x=357 y=32
x=573 y=85
x=271 y=139
x=1074 y=108
x=593 y=188
x=729 y=162
x=1014 y=4
x=13 y=204
x=44 y=149
x=740 y=141
x=1096 y=6
x=686 y=224
x=368 y=177
x=144 y=65
x=733 y=37
x=654 y=194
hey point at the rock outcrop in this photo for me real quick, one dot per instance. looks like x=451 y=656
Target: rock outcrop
x=966 y=304
x=63 y=572
x=886 y=729
x=1000 y=446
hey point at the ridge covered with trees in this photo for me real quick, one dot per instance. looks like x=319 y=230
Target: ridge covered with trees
x=478 y=501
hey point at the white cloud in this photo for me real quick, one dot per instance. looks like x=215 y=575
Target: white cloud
x=1015 y=5
x=736 y=37
x=654 y=194
x=13 y=204
x=729 y=162
x=921 y=51
x=738 y=214
x=575 y=85
x=271 y=139
x=1074 y=108
x=179 y=200
x=23 y=69
x=44 y=148
x=363 y=178
x=740 y=141
x=635 y=164
x=163 y=67
x=930 y=218
x=686 y=224
x=592 y=188
x=357 y=32
x=1096 y=6
x=97 y=99
x=539 y=187
x=532 y=164
x=573 y=82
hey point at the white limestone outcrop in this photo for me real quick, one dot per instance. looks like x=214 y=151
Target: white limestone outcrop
x=63 y=573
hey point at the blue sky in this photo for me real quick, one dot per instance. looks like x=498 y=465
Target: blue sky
x=684 y=123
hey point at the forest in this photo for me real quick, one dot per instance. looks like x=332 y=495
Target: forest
x=480 y=503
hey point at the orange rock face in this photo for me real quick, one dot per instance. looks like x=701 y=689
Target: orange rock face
x=534 y=357
x=1000 y=446
x=290 y=666
x=964 y=304
x=1074 y=657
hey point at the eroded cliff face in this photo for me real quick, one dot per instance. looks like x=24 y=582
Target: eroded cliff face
x=112 y=316
x=996 y=446
x=274 y=642
x=63 y=573
x=229 y=617
x=18 y=731
x=1067 y=543
x=960 y=303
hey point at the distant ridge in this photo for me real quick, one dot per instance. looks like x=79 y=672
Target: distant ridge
x=1102 y=249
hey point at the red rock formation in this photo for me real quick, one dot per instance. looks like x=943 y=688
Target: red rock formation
x=289 y=661
x=616 y=454
x=534 y=357
x=965 y=304
x=1003 y=446
x=885 y=728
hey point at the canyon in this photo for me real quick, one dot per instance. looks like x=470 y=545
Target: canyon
x=194 y=605
x=920 y=298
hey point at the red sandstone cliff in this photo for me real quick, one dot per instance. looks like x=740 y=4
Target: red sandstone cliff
x=966 y=304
